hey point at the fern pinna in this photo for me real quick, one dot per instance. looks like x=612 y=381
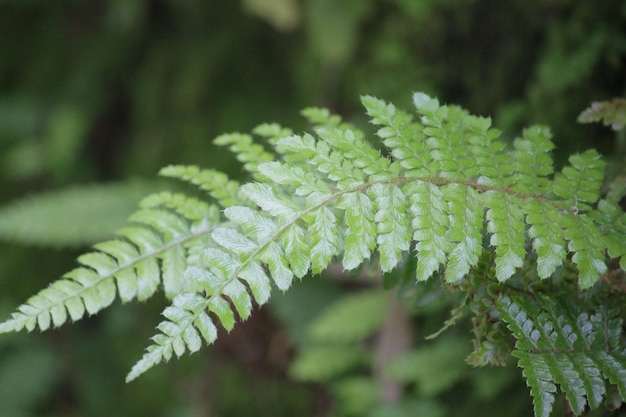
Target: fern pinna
x=442 y=187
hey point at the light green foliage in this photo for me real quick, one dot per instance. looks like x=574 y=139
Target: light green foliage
x=72 y=217
x=321 y=363
x=368 y=306
x=340 y=356
x=444 y=189
x=611 y=113
x=27 y=372
x=418 y=366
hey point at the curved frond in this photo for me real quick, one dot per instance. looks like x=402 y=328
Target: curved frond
x=442 y=186
x=334 y=197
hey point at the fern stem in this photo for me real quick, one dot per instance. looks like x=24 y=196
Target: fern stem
x=394 y=340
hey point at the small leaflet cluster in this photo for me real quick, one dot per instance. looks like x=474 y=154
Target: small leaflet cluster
x=440 y=185
x=560 y=344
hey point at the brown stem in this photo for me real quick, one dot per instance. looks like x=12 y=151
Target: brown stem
x=393 y=341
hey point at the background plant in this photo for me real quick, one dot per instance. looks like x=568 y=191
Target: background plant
x=106 y=92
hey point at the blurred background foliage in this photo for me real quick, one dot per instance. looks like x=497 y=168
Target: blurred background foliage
x=96 y=96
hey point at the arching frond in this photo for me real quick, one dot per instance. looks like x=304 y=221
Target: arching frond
x=154 y=251
x=441 y=186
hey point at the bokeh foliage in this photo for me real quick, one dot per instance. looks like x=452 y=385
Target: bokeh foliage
x=99 y=92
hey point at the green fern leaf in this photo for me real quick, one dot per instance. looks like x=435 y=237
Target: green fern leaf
x=559 y=344
x=324 y=240
x=360 y=237
x=296 y=249
x=444 y=184
x=612 y=222
x=321 y=117
x=220 y=187
x=272 y=132
x=583 y=237
x=609 y=112
x=401 y=135
x=190 y=208
x=430 y=223
x=394 y=234
x=448 y=142
x=350 y=144
x=579 y=184
x=533 y=161
x=265 y=197
x=539 y=379
x=248 y=152
x=505 y=222
x=465 y=230
x=547 y=234
x=187 y=322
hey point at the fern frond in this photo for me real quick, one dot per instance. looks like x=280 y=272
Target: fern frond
x=612 y=223
x=329 y=198
x=559 y=344
x=444 y=187
x=465 y=231
x=394 y=237
x=187 y=325
x=533 y=161
x=224 y=190
x=548 y=238
x=579 y=184
x=401 y=135
x=505 y=222
x=321 y=117
x=609 y=112
x=246 y=151
x=583 y=236
x=272 y=132
x=153 y=252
